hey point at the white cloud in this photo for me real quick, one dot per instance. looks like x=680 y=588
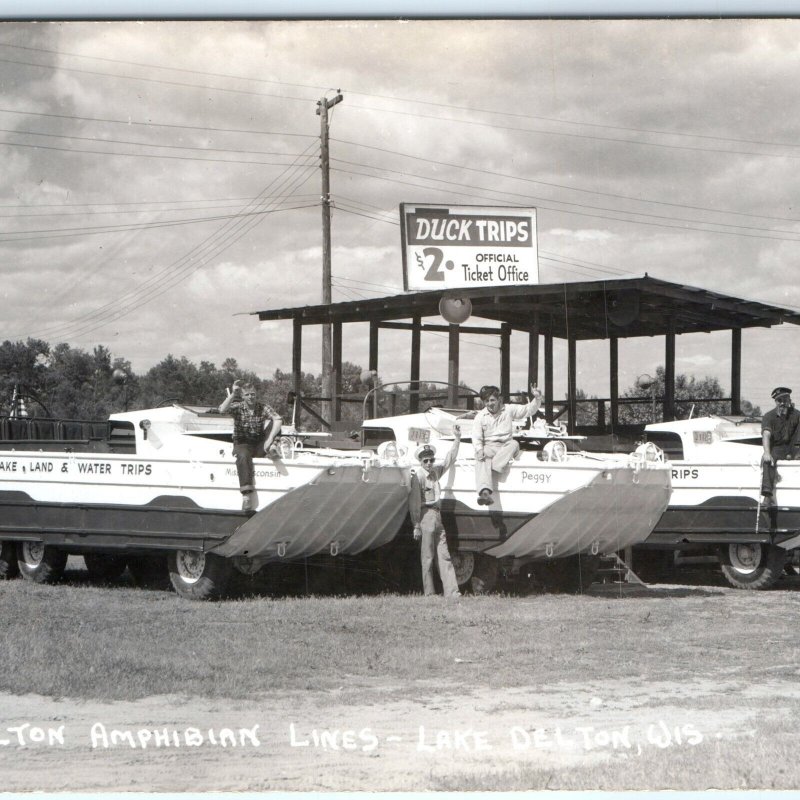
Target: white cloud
x=418 y=98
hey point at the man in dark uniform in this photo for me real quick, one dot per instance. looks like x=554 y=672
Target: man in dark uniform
x=779 y=429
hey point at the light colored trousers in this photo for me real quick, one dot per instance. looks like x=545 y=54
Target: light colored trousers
x=497 y=458
x=433 y=547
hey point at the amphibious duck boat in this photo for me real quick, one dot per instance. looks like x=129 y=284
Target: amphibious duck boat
x=715 y=465
x=160 y=485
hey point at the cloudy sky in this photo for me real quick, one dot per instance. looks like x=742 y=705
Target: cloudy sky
x=162 y=179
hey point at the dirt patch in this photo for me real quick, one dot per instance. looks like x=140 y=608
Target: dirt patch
x=368 y=738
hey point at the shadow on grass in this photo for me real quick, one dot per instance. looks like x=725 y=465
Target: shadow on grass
x=348 y=579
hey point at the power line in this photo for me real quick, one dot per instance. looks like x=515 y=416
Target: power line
x=543 y=205
x=118 y=212
x=367 y=283
x=394 y=98
x=130 y=122
x=157 y=66
x=363 y=214
x=640 y=143
x=55 y=233
x=182 y=85
x=17 y=132
x=585 y=264
x=133 y=203
x=406 y=113
x=141 y=155
x=190 y=262
x=224 y=240
x=566 y=202
x=565 y=186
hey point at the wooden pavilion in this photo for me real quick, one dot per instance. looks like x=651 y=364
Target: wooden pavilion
x=588 y=310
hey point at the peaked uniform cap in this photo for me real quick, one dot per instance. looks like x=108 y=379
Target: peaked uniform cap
x=779 y=391
x=425 y=451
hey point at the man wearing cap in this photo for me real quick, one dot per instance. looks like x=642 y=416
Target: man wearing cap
x=779 y=427
x=424 y=506
x=492 y=436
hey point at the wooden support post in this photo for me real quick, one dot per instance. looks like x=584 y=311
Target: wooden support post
x=416 y=336
x=736 y=371
x=336 y=373
x=572 y=409
x=533 y=353
x=613 y=380
x=297 y=359
x=452 y=367
x=669 y=374
x=548 y=376
x=505 y=361
x=373 y=344
x=373 y=366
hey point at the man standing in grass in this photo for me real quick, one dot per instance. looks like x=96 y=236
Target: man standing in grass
x=255 y=426
x=492 y=436
x=424 y=506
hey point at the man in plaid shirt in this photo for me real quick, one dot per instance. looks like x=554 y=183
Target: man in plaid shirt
x=255 y=426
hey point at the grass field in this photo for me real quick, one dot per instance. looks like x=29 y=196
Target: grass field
x=699 y=684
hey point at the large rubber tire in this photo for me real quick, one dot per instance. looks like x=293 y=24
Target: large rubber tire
x=104 y=566
x=475 y=572
x=149 y=571
x=464 y=566
x=199 y=576
x=485 y=574
x=40 y=563
x=8 y=561
x=752 y=566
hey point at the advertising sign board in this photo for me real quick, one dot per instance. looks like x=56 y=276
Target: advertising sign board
x=455 y=247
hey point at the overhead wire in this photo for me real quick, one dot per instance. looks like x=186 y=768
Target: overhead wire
x=140 y=155
x=228 y=239
x=553 y=185
x=59 y=233
x=96 y=140
x=353 y=208
x=195 y=258
x=118 y=212
x=417 y=101
x=180 y=84
x=539 y=200
x=544 y=205
x=131 y=122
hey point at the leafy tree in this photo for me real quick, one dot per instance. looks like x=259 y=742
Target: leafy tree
x=23 y=364
x=698 y=396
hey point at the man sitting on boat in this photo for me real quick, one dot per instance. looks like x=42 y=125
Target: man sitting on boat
x=424 y=507
x=255 y=426
x=779 y=430
x=492 y=436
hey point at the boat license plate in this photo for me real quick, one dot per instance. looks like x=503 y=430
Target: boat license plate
x=419 y=435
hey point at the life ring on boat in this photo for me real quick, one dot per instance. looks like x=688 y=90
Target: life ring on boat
x=286 y=447
x=650 y=452
x=555 y=451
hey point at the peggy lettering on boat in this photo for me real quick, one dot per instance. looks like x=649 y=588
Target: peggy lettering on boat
x=536 y=477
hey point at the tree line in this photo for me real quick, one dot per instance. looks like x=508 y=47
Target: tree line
x=72 y=383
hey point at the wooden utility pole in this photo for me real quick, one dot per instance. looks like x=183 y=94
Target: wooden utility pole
x=322 y=110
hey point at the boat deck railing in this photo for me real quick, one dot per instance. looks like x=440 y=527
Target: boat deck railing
x=14 y=429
